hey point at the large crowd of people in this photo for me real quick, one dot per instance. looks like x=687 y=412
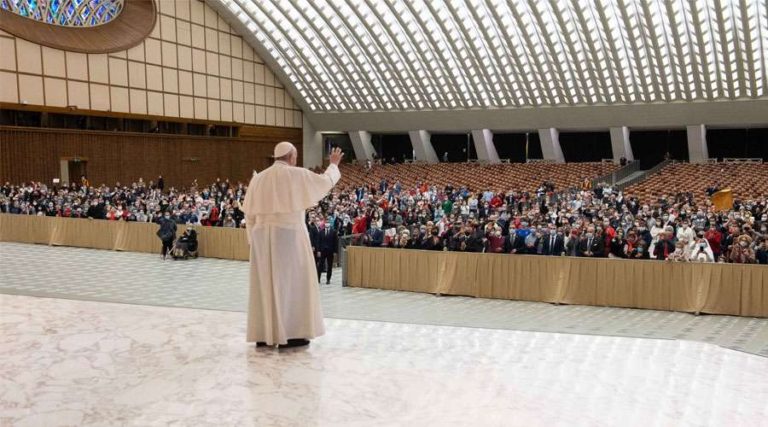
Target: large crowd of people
x=584 y=222
x=216 y=205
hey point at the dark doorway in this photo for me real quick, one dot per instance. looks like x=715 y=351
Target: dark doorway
x=78 y=168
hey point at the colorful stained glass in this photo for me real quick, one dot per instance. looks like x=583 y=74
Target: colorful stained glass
x=69 y=13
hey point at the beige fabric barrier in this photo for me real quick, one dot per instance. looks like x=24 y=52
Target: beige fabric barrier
x=214 y=242
x=740 y=290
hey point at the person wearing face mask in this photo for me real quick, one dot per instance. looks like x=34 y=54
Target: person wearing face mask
x=665 y=246
x=685 y=232
x=639 y=251
x=553 y=242
x=591 y=245
x=643 y=233
x=495 y=241
x=327 y=244
x=513 y=243
x=375 y=235
x=679 y=254
x=166 y=233
x=701 y=252
x=714 y=237
x=761 y=254
x=433 y=242
x=741 y=252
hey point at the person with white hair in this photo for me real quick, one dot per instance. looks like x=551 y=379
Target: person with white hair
x=284 y=302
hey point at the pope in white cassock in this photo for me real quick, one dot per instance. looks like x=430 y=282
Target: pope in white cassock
x=284 y=302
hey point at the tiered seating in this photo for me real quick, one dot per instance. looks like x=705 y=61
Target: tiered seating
x=476 y=176
x=745 y=180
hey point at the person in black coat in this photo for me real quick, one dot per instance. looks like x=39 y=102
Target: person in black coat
x=761 y=254
x=167 y=233
x=553 y=244
x=327 y=244
x=314 y=231
x=96 y=210
x=664 y=246
x=433 y=242
x=514 y=243
x=591 y=245
x=375 y=237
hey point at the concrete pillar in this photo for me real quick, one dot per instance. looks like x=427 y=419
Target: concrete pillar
x=483 y=139
x=361 y=143
x=698 y=152
x=550 y=145
x=422 y=145
x=312 y=145
x=620 y=144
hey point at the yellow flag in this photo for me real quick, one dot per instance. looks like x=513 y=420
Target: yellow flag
x=722 y=200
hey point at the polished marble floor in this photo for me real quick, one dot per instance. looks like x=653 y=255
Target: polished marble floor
x=86 y=363
x=136 y=278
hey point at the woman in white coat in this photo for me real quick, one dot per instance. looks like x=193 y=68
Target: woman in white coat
x=284 y=302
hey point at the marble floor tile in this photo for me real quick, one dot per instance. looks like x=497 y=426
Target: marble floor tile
x=65 y=362
x=136 y=278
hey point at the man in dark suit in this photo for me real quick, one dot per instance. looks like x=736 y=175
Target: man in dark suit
x=375 y=236
x=313 y=229
x=514 y=243
x=590 y=245
x=553 y=243
x=327 y=242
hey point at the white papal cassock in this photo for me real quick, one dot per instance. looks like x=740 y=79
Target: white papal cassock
x=284 y=300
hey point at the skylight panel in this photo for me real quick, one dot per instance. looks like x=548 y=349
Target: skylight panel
x=511 y=52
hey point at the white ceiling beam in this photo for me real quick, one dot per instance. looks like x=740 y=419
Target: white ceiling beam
x=305 y=61
x=422 y=61
x=539 y=73
x=450 y=62
x=407 y=66
x=750 y=82
x=552 y=58
x=700 y=25
x=681 y=83
x=580 y=83
x=231 y=12
x=486 y=87
x=322 y=34
x=462 y=67
x=725 y=51
x=660 y=77
x=466 y=55
x=505 y=97
x=598 y=82
x=596 y=49
x=635 y=52
x=523 y=82
x=614 y=50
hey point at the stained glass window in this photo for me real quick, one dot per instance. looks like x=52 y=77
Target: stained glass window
x=68 y=13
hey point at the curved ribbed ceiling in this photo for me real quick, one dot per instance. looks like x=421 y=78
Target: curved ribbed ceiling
x=400 y=55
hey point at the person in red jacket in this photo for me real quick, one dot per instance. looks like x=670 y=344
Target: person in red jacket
x=496 y=202
x=359 y=226
x=608 y=233
x=714 y=238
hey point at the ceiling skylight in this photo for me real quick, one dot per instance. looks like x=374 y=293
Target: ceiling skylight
x=365 y=55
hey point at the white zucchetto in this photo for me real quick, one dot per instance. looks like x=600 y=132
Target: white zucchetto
x=283 y=148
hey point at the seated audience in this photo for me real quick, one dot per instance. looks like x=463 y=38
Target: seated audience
x=479 y=208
